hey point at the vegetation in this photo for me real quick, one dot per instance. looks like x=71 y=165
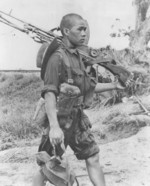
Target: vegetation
x=19 y=93
x=20 y=90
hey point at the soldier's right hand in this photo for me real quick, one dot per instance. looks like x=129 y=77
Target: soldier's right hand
x=56 y=135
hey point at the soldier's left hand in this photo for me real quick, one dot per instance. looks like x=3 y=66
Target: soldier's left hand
x=118 y=85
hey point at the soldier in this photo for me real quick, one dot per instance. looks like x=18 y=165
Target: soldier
x=66 y=77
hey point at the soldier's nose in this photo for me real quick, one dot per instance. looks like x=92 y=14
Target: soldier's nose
x=83 y=33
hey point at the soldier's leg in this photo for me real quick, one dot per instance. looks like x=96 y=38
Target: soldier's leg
x=86 y=148
x=94 y=170
x=38 y=179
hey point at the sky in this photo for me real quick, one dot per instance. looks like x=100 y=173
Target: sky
x=18 y=50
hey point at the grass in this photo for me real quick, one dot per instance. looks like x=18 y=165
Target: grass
x=19 y=93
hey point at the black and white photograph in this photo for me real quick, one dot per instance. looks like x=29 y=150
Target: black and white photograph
x=75 y=93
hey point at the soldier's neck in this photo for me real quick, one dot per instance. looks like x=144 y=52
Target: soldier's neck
x=68 y=44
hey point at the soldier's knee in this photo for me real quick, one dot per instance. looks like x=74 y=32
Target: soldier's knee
x=93 y=159
x=38 y=179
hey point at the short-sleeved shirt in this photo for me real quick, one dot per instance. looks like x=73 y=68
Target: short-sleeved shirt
x=77 y=134
x=56 y=73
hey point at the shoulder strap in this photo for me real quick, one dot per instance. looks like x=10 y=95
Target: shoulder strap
x=49 y=51
x=67 y=64
x=40 y=54
x=53 y=46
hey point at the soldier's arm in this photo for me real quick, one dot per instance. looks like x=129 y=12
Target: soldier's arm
x=50 y=106
x=50 y=93
x=56 y=134
x=102 y=87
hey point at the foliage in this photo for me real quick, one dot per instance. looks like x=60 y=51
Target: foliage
x=19 y=94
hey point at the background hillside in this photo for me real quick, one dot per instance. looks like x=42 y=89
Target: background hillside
x=20 y=91
x=122 y=127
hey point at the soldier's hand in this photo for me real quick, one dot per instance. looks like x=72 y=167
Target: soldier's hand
x=118 y=85
x=56 y=135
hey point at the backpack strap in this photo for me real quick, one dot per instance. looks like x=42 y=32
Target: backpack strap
x=53 y=46
x=49 y=51
x=67 y=64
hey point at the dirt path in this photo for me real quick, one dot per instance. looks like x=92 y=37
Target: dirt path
x=125 y=163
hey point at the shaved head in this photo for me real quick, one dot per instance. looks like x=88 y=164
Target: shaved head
x=68 y=21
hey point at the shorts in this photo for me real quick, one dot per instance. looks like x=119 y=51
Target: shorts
x=79 y=137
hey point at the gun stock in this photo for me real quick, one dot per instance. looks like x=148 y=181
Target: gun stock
x=91 y=56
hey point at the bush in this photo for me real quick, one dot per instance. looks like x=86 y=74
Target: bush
x=18 y=128
x=3 y=78
x=18 y=76
x=19 y=95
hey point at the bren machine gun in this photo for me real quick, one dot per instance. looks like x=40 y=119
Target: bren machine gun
x=90 y=56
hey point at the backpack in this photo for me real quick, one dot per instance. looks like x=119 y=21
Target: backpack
x=45 y=53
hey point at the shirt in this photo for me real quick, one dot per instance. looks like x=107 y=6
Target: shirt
x=56 y=74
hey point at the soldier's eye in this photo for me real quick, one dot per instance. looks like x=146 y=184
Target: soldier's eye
x=82 y=28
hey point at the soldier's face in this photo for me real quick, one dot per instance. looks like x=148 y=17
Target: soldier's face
x=77 y=34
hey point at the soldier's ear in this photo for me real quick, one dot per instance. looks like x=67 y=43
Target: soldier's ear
x=66 y=31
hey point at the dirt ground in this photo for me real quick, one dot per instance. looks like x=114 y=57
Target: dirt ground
x=125 y=162
x=123 y=136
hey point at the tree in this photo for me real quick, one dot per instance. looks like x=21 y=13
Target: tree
x=141 y=11
x=140 y=37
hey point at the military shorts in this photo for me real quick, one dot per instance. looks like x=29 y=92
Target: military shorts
x=78 y=136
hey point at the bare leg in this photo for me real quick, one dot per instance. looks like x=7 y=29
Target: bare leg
x=94 y=170
x=38 y=179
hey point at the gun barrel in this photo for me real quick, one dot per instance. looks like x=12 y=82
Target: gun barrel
x=40 y=34
x=29 y=26
x=6 y=22
x=11 y=16
x=141 y=104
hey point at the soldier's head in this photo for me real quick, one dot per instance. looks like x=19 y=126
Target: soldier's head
x=73 y=27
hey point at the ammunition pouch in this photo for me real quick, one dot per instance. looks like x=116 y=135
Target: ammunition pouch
x=68 y=108
x=70 y=90
x=67 y=104
x=85 y=123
